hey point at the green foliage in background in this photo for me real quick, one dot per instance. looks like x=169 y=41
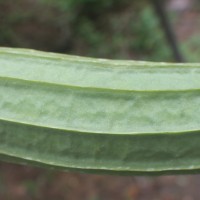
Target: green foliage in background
x=191 y=49
x=108 y=28
x=115 y=29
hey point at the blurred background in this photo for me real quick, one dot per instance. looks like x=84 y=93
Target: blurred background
x=117 y=29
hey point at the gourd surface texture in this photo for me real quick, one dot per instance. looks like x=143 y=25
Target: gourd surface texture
x=97 y=115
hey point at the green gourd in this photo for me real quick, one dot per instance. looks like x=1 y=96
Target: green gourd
x=98 y=115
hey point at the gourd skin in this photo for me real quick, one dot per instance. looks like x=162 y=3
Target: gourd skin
x=94 y=115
